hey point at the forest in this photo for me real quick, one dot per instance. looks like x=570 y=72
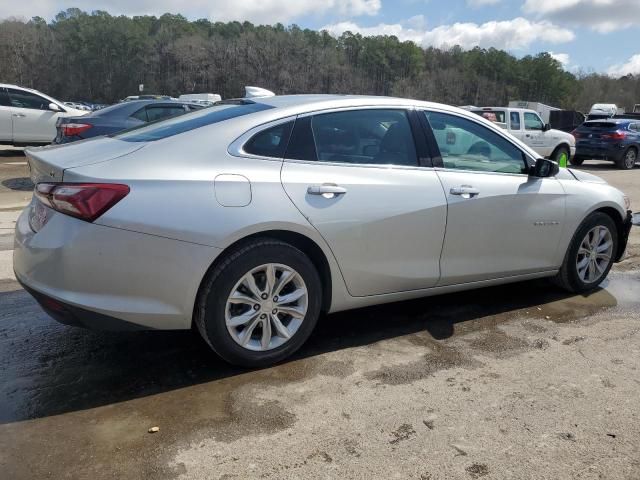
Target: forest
x=99 y=57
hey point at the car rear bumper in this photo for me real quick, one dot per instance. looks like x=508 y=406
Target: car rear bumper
x=612 y=153
x=108 y=278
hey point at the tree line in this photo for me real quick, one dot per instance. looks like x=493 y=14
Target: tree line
x=102 y=58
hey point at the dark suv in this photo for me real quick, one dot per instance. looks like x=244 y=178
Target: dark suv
x=614 y=139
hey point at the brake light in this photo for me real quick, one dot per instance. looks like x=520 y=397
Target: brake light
x=617 y=135
x=576 y=134
x=86 y=201
x=72 y=129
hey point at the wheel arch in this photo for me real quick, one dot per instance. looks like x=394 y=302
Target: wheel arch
x=618 y=219
x=305 y=244
x=560 y=145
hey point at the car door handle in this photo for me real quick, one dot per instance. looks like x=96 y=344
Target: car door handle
x=465 y=191
x=19 y=115
x=327 y=190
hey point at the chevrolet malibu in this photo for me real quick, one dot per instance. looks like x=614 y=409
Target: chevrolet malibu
x=249 y=219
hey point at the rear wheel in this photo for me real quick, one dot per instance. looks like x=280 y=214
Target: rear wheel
x=261 y=304
x=561 y=156
x=590 y=255
x=629 y=159
x=577 y=161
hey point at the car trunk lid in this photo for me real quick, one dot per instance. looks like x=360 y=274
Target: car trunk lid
x=47 y=164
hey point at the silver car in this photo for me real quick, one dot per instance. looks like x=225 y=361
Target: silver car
x=250 y=218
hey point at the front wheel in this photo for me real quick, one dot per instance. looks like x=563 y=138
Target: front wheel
x=590 y=255
x=260 y=304
x=577 y=161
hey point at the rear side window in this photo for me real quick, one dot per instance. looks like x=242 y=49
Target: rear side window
x=158 y=113
x=22 y=99
x=141 y=115
x=515 y=120
x=192 y=121
x=376 y=136
x=271 y=142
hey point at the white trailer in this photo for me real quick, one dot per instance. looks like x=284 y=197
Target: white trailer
x=543 y=110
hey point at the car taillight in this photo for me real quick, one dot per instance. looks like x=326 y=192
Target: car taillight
x=72 y=129
x=86 y=201
x=617 y=135
x=576 y=134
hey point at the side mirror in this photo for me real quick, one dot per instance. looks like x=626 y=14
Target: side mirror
x=54 y=107
x=544 y=168
x=546 y=127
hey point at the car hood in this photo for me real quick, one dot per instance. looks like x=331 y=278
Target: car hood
x=586 y=177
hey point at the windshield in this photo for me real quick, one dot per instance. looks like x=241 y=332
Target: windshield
x=184 y=123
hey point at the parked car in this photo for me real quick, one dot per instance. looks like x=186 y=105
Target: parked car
x=601 y=111
x=78 y=106
x=119 y=117
x=614 y=139
x=28 y=117
x=250 y=218
x=526 y=125
x=210 y=98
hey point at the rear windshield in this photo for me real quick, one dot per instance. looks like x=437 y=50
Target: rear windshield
x=190 y=121
x=605 y=125
x=495 y=116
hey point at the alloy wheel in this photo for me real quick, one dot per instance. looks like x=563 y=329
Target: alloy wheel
x=594 y=254
x=266 y=307
x=630 y=158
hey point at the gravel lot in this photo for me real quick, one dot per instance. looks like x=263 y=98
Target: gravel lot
x=517 y=382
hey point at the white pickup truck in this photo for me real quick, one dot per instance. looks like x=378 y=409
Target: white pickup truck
x=526 y=125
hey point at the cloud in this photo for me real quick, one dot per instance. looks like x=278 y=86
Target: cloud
x=257 y=11
x=600 y=15
x=482 y=3
x=515 y=34
x=631 y=67
x=563 y=58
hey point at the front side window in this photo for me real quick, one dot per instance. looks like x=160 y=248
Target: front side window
x=271 y=142
x=467 y=145
x=515 y=120
x=22 y=99
x=532 y=121
x=376 y=136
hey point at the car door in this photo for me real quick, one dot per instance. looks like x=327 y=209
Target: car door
x=6 y=118
x=33 y=121
x=501 y=222
x=534 y=134
x=356 y=176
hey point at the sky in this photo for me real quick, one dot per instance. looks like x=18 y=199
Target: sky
x=586 y=35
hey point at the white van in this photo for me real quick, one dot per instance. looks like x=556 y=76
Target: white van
x=527 y=126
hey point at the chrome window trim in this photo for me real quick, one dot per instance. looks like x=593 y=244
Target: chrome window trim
x=378 y=166
x=236 y=148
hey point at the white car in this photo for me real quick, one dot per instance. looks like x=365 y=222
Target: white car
x=527 y=126
x=28 y=117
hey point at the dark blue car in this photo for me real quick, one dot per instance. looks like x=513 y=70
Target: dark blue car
x=119 y=117
x=614 y=139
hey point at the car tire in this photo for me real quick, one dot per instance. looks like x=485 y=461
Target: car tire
x=574 y=275
x=577 y=161
x=628 y=160
x=218 y=309
x=561 y=156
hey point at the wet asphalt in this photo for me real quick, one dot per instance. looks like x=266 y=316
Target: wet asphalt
x=77 y=404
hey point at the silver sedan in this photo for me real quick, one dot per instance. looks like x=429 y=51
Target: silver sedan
x=251 y=218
